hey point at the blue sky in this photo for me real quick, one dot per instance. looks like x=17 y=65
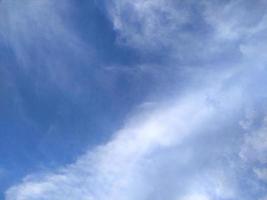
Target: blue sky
x=127 y=100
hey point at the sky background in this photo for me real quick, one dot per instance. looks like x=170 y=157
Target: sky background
x=133 y=100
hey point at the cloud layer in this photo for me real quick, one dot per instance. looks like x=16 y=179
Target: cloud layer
x=123 y=168
x=206 y=143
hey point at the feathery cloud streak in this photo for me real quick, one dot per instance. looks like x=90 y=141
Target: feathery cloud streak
x=121 y=168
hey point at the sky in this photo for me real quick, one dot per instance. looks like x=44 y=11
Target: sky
x=133 y=100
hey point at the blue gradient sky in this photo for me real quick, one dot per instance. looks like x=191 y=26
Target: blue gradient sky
x=133 y=100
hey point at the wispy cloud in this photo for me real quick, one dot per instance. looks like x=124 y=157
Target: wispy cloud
x=189 y=147
x=189 y=31
x=122 y=168
x=44 y=43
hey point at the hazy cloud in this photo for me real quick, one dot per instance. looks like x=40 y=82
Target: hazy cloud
x=198 y=145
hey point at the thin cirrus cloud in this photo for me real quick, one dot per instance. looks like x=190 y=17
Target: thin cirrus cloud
x=200 y=144
x=43 y=41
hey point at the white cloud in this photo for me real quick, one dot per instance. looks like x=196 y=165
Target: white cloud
x=261 y=173
x=253 y=153
x=165 y=143
x=264 y=198
x=210 y=186
x=226 y=18
x=195 y=197
x=121 y=168
x=143 y=23
x=255 y=145
x=192 y=30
